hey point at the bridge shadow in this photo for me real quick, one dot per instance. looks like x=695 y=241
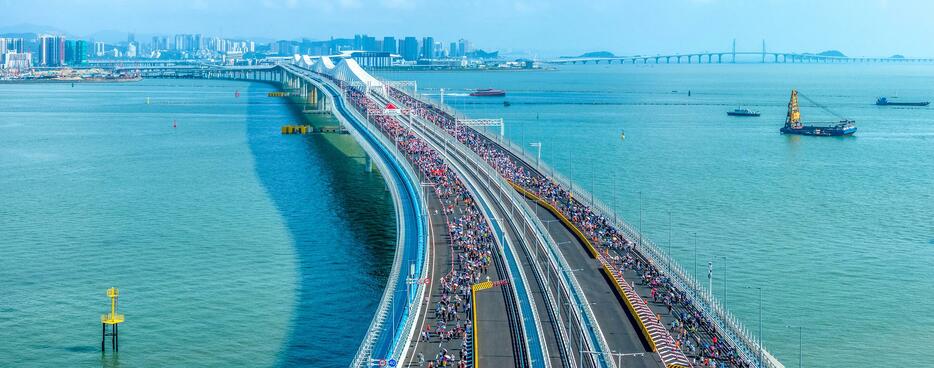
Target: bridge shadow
x=342 y=223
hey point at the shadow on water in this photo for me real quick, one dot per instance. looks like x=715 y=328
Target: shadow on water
x=342 y=222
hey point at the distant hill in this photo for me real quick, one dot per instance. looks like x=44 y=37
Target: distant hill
x=27 y=28
x=480 y=54
x=833 y=53
x=592 y=54
x=897 y=56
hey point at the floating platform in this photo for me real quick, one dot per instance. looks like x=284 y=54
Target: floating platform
x=297 y=129
x=308 y=129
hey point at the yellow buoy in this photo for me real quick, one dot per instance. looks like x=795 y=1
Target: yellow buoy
x=113 y=319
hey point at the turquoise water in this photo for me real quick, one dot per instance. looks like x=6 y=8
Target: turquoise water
x=837 y=232
x=231 y=244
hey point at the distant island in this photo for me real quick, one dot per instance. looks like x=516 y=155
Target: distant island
x=593 y=54
x=831 y=53
x=897 y=56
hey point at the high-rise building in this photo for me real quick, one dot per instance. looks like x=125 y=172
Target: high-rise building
x=389 y=45
x=428 y=48
x=410 y=49
x=437 y=50
x=52 y=50
x=12 y=45
x=369 y=44
x=160 y=43
x=452 y=50
x=130 y=37
x=131 y=50
x=17 y=60
x=76 y=52
x=99 y=49
x=365 y=43
x=287 y=48
x=463 y=47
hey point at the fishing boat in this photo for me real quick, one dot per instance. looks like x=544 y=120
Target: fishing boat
x=488 y=92
x=793 y=124
x=742 y=112
x=885 y=101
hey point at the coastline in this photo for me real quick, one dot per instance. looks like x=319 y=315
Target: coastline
x=44 y=81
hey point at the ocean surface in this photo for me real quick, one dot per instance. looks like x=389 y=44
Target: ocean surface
x=838 y=233
x=231 y=244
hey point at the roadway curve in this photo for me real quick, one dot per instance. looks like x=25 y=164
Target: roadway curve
x=393 y=316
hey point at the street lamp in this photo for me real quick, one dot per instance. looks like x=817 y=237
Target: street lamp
x=760 y=322
x=800 y=344
x=695 y=256
x=539 y=146
x=725 y=282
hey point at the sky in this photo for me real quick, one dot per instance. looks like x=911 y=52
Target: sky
x=539 y=27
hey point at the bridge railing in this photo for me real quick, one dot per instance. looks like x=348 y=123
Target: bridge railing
x=407 y=328
x=726 y=324
x=388 y=299
x=724 y=321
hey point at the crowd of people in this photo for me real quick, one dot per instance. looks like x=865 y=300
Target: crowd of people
x=691 y=329
x=471 y=241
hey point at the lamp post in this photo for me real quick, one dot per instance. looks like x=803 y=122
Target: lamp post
x=670 y=258
x=760 y=322
x=538 y=145
x=725 y=282
x=800 y=344
x=640 y=219
x=695 y=255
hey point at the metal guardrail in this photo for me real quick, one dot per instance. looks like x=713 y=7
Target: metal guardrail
x=377 y=325
x=724 y=321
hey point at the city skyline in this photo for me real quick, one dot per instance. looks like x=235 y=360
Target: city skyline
x=869 y=28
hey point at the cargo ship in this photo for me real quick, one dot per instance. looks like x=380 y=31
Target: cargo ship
x=793 y=123
x=884 y=101
x=742 y=112
x=485 y=92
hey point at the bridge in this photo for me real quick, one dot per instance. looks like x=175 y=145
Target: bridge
x=501 y=261
x=719 y=57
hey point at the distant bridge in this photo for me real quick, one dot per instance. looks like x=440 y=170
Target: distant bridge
x=719 y=57
x=730 y=57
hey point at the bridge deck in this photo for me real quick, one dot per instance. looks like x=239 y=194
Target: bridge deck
x=618 y=326
x=495 y=341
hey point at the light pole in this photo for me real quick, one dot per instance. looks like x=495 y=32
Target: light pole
x=725 y=282
x=538 y=145
x=710 y=277
x=800 y=344
x=640 y=219
x=669 y=244
x=695 y=255
x=760 y=321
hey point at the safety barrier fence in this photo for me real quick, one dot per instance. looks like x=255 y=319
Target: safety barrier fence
x=378 y=329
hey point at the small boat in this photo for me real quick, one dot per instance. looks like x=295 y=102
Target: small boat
x=742 y=112
x=487 y=92
x=506 y=103
x=884 y=101
x=793 y=124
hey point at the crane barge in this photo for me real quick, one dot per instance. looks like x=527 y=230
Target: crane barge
x=793 y=124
